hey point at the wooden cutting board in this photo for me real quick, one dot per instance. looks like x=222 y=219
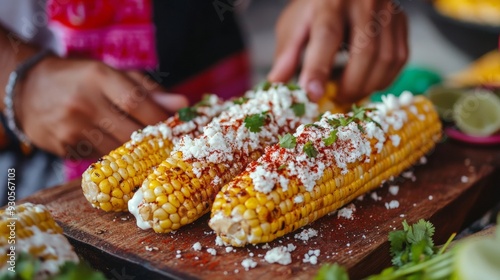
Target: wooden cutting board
x=112 y=243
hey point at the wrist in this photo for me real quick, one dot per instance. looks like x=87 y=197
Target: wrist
x=12 y=88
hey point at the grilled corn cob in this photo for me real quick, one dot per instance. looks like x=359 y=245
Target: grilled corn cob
x=30 y=229
x=182 y=188
x=322 y=167
x=109 y=183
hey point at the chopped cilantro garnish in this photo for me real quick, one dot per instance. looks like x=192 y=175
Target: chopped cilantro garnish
x=292 y=86
x=255 y=122
x=310 y=150
x=331 y=138
x=240 y=101
x=299 y=109
x=283 y=166
x=413 y=244
x=332 y=272
x=205 y=101
x=312 y=125
x=288 y=141
x=265 y=85
x=188 y=113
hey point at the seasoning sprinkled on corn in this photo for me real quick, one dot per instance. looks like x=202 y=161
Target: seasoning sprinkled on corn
x=326 y=165
x=36 y=234
x=183 y=187
x=109 y=183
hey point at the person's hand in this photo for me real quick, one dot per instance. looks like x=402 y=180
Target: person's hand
x=376 y=32
x=68 y=106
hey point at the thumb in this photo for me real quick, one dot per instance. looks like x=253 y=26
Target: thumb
x=169 y=101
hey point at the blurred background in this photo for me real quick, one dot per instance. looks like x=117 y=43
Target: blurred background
x=437 y=42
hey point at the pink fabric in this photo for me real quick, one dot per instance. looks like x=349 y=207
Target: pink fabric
x=119 y=33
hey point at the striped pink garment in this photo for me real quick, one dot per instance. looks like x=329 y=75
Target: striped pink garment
x=121 y=34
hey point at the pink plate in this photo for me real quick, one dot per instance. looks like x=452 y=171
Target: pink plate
x=456 y=134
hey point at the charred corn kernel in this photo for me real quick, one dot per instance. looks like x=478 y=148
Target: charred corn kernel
x=131 y=163
x=36 y=233
x=370 y=146
x=198 y=167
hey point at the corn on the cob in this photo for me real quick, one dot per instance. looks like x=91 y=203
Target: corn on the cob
x=30 y=229
x=109 y=183
x=333 y=161
x=182 y=188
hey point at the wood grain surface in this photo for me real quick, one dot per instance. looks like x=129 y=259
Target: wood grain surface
x=112 y=242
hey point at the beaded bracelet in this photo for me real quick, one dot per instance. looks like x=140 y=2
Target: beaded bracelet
x=14 y=77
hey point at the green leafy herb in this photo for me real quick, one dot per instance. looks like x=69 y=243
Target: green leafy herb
x=331 y=138
x=312 y=125
x=187 y=114
x=205 y=101
x=265 y=85
x=320 y=116
x=288 y=141
x=299 y=109
x=332 y=272
x=255 y=122
x=310 y=150
x=27 y=267
x=292 y=86
x=283 y=166
x=413 y=244
x=240 y=101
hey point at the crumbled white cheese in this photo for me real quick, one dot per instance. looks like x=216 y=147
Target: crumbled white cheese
x=278 y=255
x=375 y=196
x=311 y=257
x=395 y=139
x=392 y=205
x=298 y=199
x=197 y=246
x=212 y=251
x=393 y=189
x=464 y=179
x=306 y=234
x=347 y=212
x=431 y=197
x=229 y=249
x=248 y=263
x=423 y=160
x=290 y=247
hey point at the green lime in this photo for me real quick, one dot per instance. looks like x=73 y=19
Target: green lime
x=444 y=99
x=478 y=113
x=477 y=258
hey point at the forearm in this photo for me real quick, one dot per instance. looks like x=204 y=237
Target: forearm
x=13 y=51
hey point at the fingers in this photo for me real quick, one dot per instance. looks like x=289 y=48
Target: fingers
x=324 y=41
x=168 y=101
x=383 y=69
x=130 y=97
x=363 y=52
x=292 y=31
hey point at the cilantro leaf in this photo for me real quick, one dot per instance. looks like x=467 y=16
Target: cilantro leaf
x=204 y=102
x=283 y=166
x=240 y=101
x=331 y=138
x=413 y=244
x=332 y=272
x=312 y=125
x=288 y=141
x=255 y=122
x=187 y=114
x=299 y=109
x=265 y=85
x=292 y=86
x=310 y=150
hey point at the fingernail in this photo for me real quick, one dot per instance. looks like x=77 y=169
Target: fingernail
x=315 y=89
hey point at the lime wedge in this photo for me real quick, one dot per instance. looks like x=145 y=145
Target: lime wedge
x=444 y=99
x=478 y=113
x=477 y=258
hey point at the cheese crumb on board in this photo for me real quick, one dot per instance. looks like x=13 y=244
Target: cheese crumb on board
x=393 y=189
x=248 y=264
x=306 y=234
x=464 y=179
x=212 y=251
x=392 y=205
x=278 y=255
x=197 y=246
x=347 y=212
